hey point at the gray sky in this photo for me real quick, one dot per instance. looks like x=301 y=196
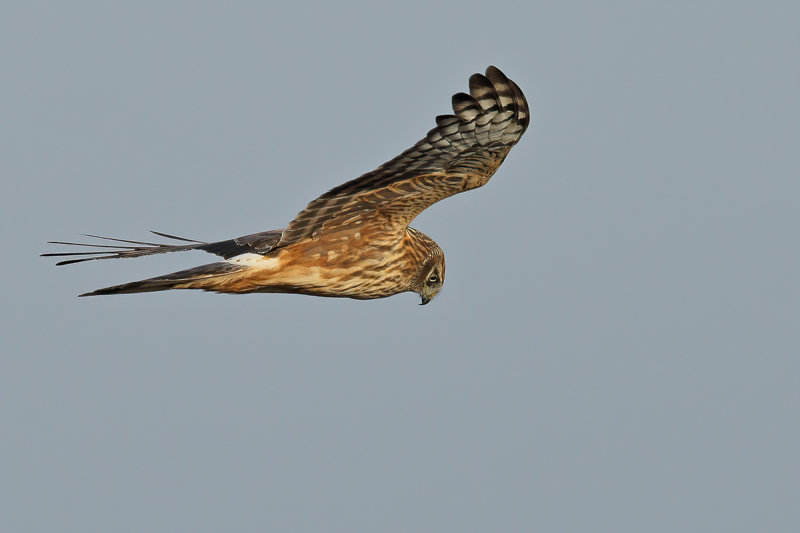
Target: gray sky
x=616 y=346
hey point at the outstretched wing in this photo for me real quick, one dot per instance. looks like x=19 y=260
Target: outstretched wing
x=460 y=153
x=257 y=243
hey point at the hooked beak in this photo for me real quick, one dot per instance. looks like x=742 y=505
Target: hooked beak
x=425 y=299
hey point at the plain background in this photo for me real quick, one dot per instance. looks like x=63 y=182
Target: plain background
x=616 y=347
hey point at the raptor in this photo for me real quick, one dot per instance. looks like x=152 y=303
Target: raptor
x=354 y=241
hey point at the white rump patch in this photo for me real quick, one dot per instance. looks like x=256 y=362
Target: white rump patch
x=254 y=261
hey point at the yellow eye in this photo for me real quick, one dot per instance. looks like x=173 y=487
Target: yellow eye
x=433 y=279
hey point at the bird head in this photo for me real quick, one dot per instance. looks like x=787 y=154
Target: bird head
x=430 y=277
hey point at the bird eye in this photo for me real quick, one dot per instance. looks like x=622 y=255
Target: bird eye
x=433 y=279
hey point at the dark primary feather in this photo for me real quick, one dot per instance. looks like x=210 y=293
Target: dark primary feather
x=259 y=243
x=460 y=153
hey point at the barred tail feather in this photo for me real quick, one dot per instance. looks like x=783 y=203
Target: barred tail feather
x=201 y=277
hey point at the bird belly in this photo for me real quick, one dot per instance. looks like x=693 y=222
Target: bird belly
x=329 y=274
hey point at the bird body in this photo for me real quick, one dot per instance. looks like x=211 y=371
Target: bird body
x=355 y=241
x=333 y=266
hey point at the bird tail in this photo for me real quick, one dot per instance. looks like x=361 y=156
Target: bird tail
x=210 y=277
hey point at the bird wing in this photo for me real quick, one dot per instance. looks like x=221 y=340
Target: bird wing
x=460 y=153
x=257 y=243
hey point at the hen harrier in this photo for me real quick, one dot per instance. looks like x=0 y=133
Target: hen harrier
x=354 y=241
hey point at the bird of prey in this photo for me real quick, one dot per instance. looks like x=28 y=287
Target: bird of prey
x=354 y=241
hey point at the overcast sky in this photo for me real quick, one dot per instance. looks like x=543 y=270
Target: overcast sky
x=617 y=345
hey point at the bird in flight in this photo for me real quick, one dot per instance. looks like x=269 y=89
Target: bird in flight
x=354 y=241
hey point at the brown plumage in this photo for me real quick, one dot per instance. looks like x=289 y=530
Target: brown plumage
x=354 y=241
